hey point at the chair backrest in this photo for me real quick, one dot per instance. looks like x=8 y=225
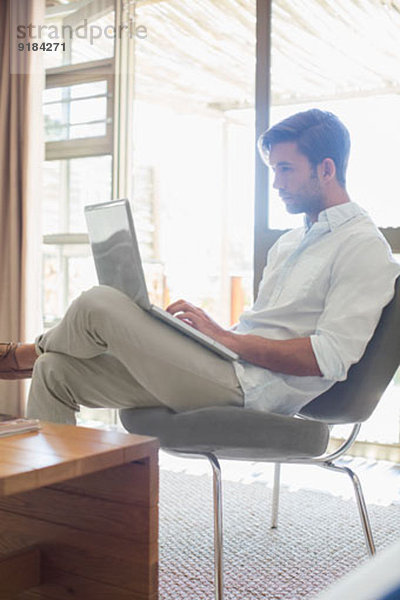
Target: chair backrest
x=353 y=400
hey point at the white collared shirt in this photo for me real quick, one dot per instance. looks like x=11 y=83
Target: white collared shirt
x=328 y=281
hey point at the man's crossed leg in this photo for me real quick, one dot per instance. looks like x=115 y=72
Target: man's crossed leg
x=108 y=352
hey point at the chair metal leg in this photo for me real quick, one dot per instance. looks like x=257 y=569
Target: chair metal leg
x=362 y=508
x=218 y=528
x=275 y=495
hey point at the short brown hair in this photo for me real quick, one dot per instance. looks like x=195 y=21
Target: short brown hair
x=318 y=134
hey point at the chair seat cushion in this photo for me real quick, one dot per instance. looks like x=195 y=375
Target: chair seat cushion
x=230 y=432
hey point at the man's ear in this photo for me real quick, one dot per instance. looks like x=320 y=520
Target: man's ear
x=327 y=169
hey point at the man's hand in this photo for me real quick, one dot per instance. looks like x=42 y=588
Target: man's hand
x=197 y=318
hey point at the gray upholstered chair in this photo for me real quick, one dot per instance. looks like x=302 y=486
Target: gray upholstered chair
x=242 y=434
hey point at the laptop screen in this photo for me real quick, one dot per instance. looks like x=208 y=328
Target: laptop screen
x=115 y=249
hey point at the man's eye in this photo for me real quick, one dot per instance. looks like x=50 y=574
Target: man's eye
x=286 y=169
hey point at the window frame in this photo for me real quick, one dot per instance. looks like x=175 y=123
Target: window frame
x=68 y=75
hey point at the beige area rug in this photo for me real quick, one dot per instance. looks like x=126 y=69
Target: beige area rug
x=318 y=540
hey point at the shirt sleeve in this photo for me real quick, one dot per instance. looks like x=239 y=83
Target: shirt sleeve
x=362 y=284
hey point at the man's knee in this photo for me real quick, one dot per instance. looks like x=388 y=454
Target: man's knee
x=49 y=397
x=50 y=367
x=101 y=298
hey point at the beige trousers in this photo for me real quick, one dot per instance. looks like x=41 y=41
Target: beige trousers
x=108 y=352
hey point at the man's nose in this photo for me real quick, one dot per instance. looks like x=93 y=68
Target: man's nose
x=276 y=184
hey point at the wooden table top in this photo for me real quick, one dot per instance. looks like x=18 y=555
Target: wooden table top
x=60 y=452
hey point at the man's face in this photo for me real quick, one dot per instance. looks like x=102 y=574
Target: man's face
x=296 y=180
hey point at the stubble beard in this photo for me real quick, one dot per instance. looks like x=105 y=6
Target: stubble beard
x=310 y=201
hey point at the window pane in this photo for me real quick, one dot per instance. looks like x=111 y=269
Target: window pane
x=352 y=72
x=193 y=130
x=92 y=88
x=69 y=186
x=68 y=269
x=98 y=42
x=85 y=111
x=86 y=29
x=75 y=111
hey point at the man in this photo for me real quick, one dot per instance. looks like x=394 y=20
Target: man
x=320 y=299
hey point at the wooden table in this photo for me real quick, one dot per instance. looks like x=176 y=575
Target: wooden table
x=78 y=515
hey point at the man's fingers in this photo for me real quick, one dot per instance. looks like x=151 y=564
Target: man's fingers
x=182 y=306
x=177 y=306
x=189 y=318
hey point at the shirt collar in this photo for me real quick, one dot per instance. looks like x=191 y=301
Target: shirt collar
x=335 y=216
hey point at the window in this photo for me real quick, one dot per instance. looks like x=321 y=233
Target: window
x=67 y=262
x=193 y=130
x=342 y=58
x=76 y=111
x=78 y=107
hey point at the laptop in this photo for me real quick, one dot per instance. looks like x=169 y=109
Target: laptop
x=118 y=264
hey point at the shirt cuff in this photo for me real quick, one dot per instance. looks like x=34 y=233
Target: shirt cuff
x=330 y=364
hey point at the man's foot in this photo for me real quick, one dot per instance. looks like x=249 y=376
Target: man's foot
x=16 y=360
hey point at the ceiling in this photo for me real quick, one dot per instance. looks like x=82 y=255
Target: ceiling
x=201 y=55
